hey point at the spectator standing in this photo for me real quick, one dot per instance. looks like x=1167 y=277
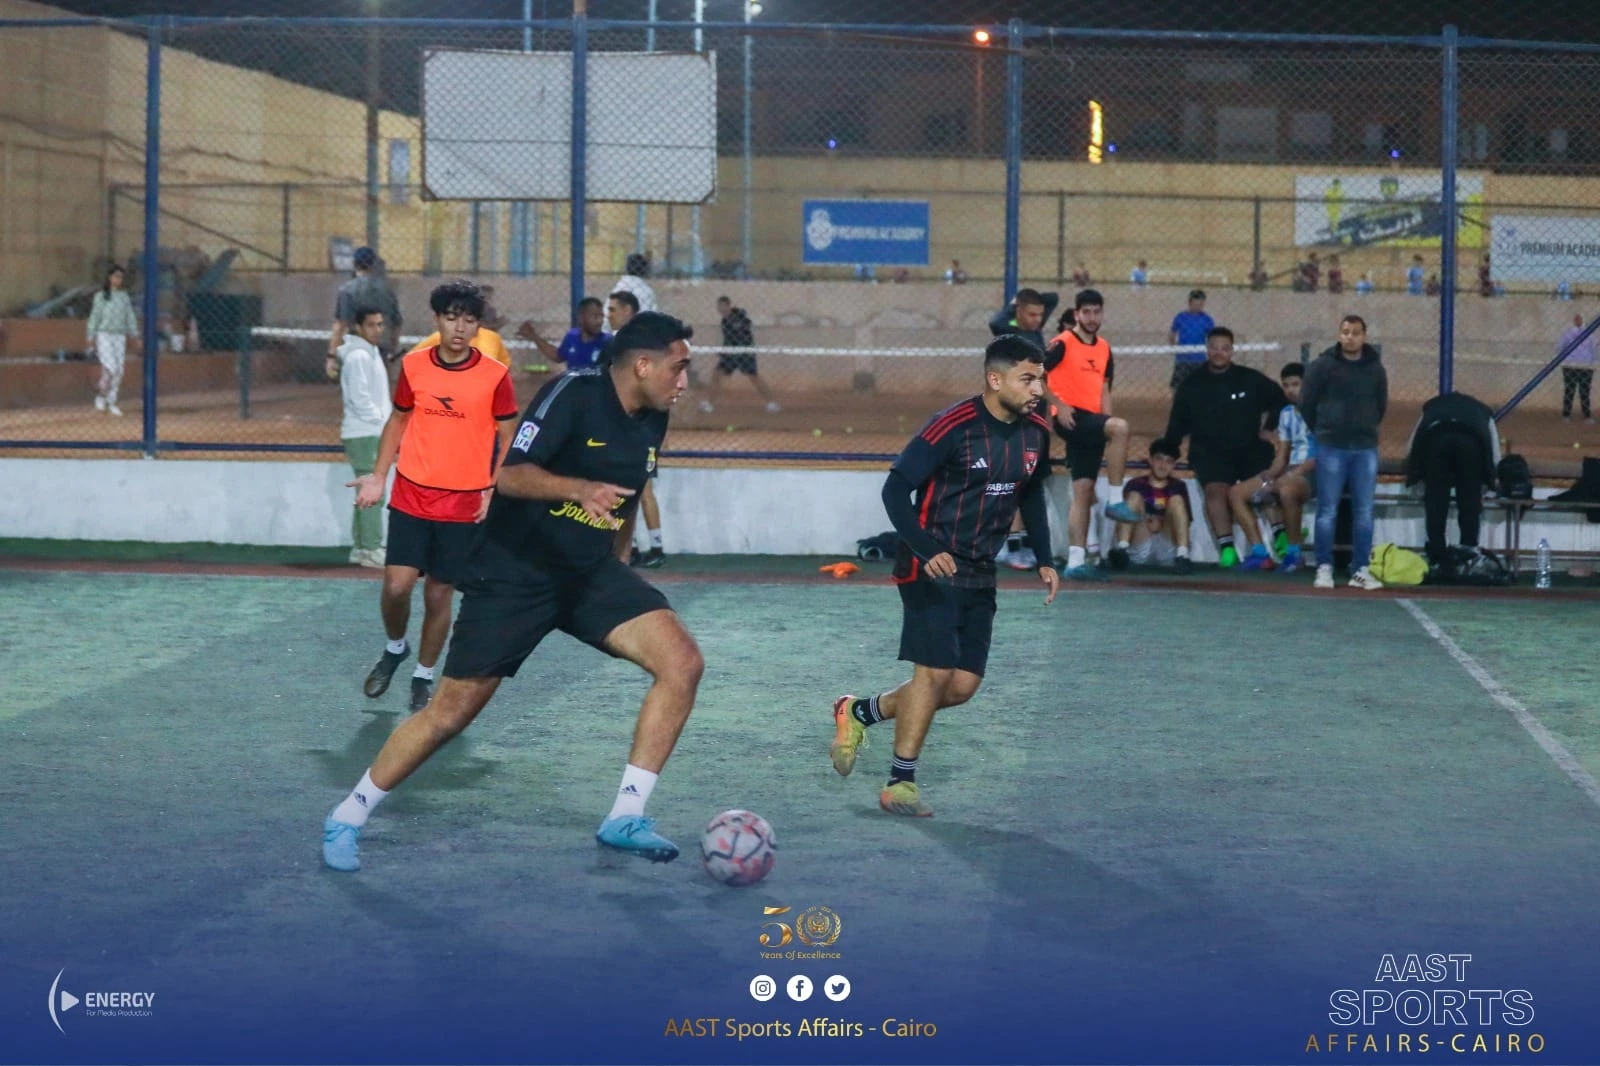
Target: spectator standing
x=365 y=289
x=1080 y=276
x=633 y=281
x=737 y=332
x=1485 y=279
x=1577 y=372
x=621 y=306
x=1433 y=286
x=1223 y=410
x=492 y=319
x=1310 y=274
x=1454 y=447
x=955 y=275
x=1189 y=329
x=1335 y=276
x=364 y=385
x=1140 y=276
x=1344 y=398
x=582 y=345
x=1415 y=277
x=1364 y=285
x=111 y=324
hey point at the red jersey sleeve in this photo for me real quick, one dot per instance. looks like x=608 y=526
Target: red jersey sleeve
x=505 y=401
x=403 y=399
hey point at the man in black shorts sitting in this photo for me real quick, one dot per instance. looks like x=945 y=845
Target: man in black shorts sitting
x=971 y=468
x=1223 y=410
x=550 y=557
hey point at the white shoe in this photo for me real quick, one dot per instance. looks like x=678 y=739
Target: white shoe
x=374 y=559
x=772 y=407
x=114 y=409
x=99 y=403
x=705 y=407
x=1024 y=559
x=1324 y=577
x=1363 y=579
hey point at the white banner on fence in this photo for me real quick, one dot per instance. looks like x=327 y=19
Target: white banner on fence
x=1355 y=210
x=1546 y=248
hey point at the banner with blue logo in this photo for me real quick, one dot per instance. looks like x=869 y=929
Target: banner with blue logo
x=876 y=232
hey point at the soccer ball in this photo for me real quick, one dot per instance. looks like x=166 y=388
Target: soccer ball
x=738 y=848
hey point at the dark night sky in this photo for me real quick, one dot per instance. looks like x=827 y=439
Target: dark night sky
x=1561 y=20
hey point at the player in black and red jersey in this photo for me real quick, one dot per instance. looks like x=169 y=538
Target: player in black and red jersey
x=972 y=468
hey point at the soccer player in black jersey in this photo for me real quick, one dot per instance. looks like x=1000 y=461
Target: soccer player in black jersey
x=972 y=468
x=551 y=556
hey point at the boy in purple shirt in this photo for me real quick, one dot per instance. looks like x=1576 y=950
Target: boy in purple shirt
x=1161 y=536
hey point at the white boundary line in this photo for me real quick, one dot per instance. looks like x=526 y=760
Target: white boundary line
x=1525 y=718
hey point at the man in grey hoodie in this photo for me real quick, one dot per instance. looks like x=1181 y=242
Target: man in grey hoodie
x=1343 y=400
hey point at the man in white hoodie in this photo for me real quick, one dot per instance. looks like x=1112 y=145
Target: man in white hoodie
x=365 y=385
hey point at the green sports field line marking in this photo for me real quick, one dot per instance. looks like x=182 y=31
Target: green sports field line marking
x=1525 y=718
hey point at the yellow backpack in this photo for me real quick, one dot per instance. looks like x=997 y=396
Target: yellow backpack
x=1394 y=565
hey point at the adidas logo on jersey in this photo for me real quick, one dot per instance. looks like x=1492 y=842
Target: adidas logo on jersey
x=981 y=464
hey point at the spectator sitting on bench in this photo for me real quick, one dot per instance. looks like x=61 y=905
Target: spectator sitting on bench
x=1292 y=479
x=1161 y=536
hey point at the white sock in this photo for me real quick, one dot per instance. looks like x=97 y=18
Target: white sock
x=1183 y=553
x=633 y=793
x=358 y=805
x=1124 y=545
x=655 y=538
x=1075 y=556
x=396 y=647
x=424 y=672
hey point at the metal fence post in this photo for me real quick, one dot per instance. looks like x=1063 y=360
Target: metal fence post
x=1450 y=99
x=151 y=265
x=580 y=137
x=1013 y=154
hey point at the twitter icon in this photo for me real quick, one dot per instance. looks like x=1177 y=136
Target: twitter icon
x=836 y=987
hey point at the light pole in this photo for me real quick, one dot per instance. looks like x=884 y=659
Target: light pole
x=374 y=82
x=696 y=262
x=752 y=8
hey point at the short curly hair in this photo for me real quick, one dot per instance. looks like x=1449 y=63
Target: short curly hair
x=460 y=297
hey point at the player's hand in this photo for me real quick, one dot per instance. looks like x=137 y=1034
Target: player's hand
x=1052 y=582
x=528 y=331
x=942 y=565
x=483 y=508
x=331 y=367
x=369 y=490
x=599 y=500
x=1064 y=418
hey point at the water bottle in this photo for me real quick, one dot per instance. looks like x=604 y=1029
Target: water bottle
x=1543 y=580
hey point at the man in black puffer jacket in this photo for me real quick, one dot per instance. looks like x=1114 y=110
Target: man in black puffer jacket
x=1345 y=395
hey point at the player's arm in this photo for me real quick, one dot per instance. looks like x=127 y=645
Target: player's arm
x=549 y=422
x=916 y=465
x=1178 y=418
x=369 y=487
x=1310 y=393
x=1280 y=457
x=1036 y=521
x=528 y=331
x=1105 y=387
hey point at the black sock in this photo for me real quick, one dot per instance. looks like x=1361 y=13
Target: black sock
x=902 y=770
x=1013 y=542
x=1224 y=542
x=866 y=711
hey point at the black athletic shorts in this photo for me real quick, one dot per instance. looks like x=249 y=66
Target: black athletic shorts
x=736 y=363
x=945 y=627
x=1086 y=444
x=438 y=549
x=501 y=622
x=1232 y=466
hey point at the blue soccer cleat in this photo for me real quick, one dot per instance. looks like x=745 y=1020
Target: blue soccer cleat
x=1121 y=512
x=1084 y=572
x=341 y=845
x=1258 y=559
x=636 y=835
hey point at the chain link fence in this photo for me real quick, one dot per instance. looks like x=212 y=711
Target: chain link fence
x=1290 y=179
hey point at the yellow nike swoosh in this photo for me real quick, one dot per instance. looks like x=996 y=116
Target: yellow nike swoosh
x=596 y=443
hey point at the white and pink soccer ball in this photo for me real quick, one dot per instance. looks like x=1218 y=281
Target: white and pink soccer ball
x=738 y=848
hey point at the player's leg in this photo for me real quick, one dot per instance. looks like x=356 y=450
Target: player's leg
x=1569 y=389
x=1078 y=517
x=724 y=368
x=1293 y=492
x=1219 y=514
x=437 y=598
x=1585 y=383
x=1176 y=527
x=747 y=367
x=1243 y=514
x=451 y=710
x=118 y=360
x=1126 y=534
x=1333 y=467
x=394 y=604
x=1116 y=434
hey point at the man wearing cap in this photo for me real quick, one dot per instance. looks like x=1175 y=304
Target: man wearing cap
x=1189 y=329
x=366 y=290
x=552 y=557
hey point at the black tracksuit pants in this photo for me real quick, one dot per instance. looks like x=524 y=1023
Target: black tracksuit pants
x=1452 y=460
